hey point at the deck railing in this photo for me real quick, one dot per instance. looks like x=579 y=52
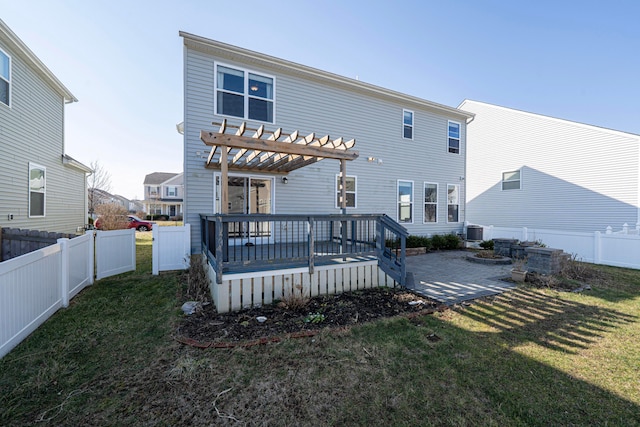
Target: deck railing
x=251 y=242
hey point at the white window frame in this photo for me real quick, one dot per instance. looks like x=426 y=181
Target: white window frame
x=459 y=138
x=175 y=191
x=424 y=217
x=355 y=192
x=453 y=204
x=398 y=202
x=246 y=96
x=7 y=80
x=30 y=190
x=519 y=180
x=413 y=119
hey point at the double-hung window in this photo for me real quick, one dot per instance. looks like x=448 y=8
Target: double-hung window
x=430 y=202
x=453 y=203
x=453 y=133
x=5 y=78
x=511 y=180
x=350 y=191
x=407 y=124
x=37 y=190
x=245 y=94
x=172 y=191
x=405 y=201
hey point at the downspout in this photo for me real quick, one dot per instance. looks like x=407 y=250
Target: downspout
x=466 y=149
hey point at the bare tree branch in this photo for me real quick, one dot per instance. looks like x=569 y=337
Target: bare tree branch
x=97 y=183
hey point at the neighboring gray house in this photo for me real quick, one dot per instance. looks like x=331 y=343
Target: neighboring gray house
x=100 y=197
x=163 y=194
x=412 y=152
x=529 y=170
x=41 y=188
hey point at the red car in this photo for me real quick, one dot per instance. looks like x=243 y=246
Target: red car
x=132 y=222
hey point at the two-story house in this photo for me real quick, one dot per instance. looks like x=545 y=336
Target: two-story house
x=412 y=151
x=41 y=188
x=163 y=194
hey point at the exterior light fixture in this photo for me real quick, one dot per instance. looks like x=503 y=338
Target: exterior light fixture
x=285 y=180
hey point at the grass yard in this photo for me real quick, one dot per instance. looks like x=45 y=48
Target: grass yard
x=528 y=357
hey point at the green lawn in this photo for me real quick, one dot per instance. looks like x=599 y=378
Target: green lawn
x=529 y=357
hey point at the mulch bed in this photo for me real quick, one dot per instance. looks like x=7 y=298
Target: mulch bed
x=207 y=328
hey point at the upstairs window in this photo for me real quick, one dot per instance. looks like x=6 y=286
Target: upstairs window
x=453 y=203
x=350 y=191
x=407 y=124
x=172 y=191
x=511 y=180
x=244 y=94
x=5 y=78
x=37 y=190
x=454 y=137
x=430 y=202
x=405 y=201
x=153 y=191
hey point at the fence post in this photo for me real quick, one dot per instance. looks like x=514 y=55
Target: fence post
x=92 y=257
x=187 y=245
x=596 y=248
x=155 y=250
x=64 y=271
x=625 y=228
x=312 y=244
x=525 y=234
x=489 y=233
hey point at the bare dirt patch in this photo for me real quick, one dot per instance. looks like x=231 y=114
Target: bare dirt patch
x=208 y=327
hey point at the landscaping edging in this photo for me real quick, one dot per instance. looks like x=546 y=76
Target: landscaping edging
x=489 y=261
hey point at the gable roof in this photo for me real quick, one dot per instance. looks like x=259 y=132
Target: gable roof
x=468 y=102
x=32 y=60
x=157 y=178
x=229 y=51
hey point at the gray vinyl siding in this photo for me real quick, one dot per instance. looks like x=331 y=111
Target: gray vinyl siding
x=31 y=130
x=574 y=177
x=316 y=106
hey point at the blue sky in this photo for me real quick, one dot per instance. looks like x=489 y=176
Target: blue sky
x=577 y=60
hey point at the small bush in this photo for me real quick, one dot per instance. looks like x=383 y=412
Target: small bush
x=112 y=216
x=438 y=242
x=418 y=242
x=487 y=244
x=294 y=300
x=452 y=241
x=197 y=281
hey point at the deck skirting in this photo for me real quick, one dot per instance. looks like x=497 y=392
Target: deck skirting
x=250 y=289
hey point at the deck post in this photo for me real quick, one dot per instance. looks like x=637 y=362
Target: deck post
x=219 y=255
x=343 y=204
x=312 y=244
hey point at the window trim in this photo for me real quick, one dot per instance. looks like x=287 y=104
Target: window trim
x=424 y=217
x=9 y=80
x=459 y=138
x=175 y=190
x=29 y=190
x=519 y=180
x=411 y=203
x=355 y=192
x=245 y=94
x=413 y=119
x=452 y=204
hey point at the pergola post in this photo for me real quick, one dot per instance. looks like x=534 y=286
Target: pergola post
x=343 y=203
x=224 y=181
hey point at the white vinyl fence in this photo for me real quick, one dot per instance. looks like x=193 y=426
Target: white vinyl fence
x=171 y=248
x=35 y=285
x=115 y=252
x=617 y=248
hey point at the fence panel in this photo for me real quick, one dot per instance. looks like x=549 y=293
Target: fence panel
x=30 y=292
x=115 y=252
x=171 y=248
x=80 y=263
x=620 y=250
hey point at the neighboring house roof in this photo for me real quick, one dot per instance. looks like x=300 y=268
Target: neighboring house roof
x=469 y=102
x=157 y=178
x=245 y=55
x=32 y=59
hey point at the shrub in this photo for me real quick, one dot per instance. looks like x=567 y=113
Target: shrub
x=452 y=241
x=197 y=281
x=438 y=242
x=112 y=216
x=418 y=242
x=487 y=244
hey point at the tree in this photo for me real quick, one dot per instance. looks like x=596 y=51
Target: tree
x=98 y=183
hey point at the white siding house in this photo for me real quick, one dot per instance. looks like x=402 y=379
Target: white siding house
x=41 y=188
x=163 y=194
x=412 y=152
x=530 y=170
